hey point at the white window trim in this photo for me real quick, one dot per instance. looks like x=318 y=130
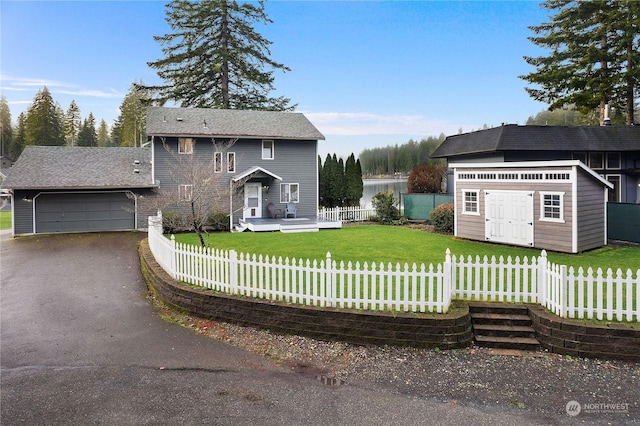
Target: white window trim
x=231 y=162
x=273 y=149
x=190 y=150
x=561 y=207
x=606 y=160
x=217 y=162
x=619 y=186
x=464 y=204
x=185 y=192
x=285 y=189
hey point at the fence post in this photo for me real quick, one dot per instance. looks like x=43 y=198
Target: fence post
x=447 y=282
x=542 y=278
x=330 y=282
x=563 y=291
x=233 y=271
x=174 y=255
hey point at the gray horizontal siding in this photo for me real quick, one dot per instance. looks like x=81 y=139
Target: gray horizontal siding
x=22 y=213
x=591 y=213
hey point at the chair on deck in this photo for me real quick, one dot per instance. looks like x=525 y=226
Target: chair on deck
x=272 y=210
x=290 y=210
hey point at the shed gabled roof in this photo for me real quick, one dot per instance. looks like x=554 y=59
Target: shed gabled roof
x=65 y=167
x=542 y=138
x=209 y=122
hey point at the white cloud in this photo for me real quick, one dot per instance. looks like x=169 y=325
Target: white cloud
x=91 y=93
x=20 y=84
x=355 y=123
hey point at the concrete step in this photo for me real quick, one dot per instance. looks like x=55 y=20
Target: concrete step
x=515 y=343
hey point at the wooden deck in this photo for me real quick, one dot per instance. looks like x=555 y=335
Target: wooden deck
x=299 y=224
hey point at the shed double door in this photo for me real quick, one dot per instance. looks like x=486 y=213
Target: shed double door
x=509 y=217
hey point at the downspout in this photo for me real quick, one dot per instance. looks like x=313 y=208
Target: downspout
x=230 y=204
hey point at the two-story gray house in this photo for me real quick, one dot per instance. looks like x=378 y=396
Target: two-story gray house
x=267 y=161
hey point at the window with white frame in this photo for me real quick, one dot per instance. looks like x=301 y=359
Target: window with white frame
x=596 y=160
x=613 y=160
x=614 y=194
x=231 y=162
x=267 y=149
x=289 y=192
x=470 y=201
x=217 y=162
x=185 y=146
x=185 y=192
x=551 y=206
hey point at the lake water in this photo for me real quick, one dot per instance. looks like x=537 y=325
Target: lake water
x=373 y=186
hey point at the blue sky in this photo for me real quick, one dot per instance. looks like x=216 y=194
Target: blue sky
x=366 y=73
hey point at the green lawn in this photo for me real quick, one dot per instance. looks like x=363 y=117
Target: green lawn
x=377 y=243
x=5 y=220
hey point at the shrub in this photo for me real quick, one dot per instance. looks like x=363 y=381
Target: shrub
x=219 y=221
x=426 y=178
x=442 y=218
x=172 y=222
x=386 y=208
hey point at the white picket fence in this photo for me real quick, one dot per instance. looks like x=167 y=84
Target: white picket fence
x=402 y=288
x=347 y=214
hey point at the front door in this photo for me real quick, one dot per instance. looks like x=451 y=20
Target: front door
x=509 y=217
x=252 y=200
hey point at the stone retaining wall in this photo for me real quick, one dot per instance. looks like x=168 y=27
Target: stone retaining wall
x=444 y=331
x=582 y=339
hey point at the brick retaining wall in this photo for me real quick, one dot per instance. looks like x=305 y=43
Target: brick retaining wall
x=444 y=331
x=582 y=339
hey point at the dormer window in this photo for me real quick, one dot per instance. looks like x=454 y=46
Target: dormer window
x=185 y=146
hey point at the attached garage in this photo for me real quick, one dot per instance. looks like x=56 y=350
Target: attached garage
x=83 y=212
x=552 y=205
x=79 y=189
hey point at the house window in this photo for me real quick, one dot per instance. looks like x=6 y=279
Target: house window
x=470 y=201
x=185 y=146
x=185 y=192
x=613 y=160
x=582 y=156
x=267 y=149
x=596 y=160
x=551 y=206
x=614 y=194
x=231 y=162
x=289 y=192
x=217 y=162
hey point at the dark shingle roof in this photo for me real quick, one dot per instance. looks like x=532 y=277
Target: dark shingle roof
x=542 y=138
x=64 y=167
x=209 y=122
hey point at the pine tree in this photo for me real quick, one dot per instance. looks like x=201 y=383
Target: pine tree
x=215 y=58
x=6 y=131
x=130 y=126
x=353 y=182
x=19 y=137
x=87 y=135
x=103 y=134
x=593 y=56
x=72 y=123
x=44 y=121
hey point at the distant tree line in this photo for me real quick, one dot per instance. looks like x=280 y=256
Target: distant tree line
x=340 y=182
x=399 y=158
x=46 y=123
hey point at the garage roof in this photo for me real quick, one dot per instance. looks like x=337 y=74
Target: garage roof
x=65 y=167
x=210 y=122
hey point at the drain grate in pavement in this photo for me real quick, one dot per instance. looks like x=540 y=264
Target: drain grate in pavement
x=331 y=381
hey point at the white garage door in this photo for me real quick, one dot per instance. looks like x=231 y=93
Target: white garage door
x=84 y=212
x=509 y=217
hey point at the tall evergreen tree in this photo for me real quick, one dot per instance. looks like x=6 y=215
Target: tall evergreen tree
x=103 y=134
x=353 y=182
x=44 y=121
x=6 y=131
x=72 y=124
x=19 y=137
x=130 y=127
x=87 y=135
x=215 y=58
x=593 y=56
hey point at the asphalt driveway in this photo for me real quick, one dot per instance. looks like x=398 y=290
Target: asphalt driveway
x=81 y=344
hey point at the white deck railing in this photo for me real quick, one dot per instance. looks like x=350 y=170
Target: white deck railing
x=347 y=214
x=403 y=288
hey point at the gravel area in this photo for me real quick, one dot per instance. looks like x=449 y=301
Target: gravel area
x=540 y=383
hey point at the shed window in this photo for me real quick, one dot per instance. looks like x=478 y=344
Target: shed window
x=289 y=193
x=267 y=149
x=185 y=146
x=551 y=206
x=470 y=201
